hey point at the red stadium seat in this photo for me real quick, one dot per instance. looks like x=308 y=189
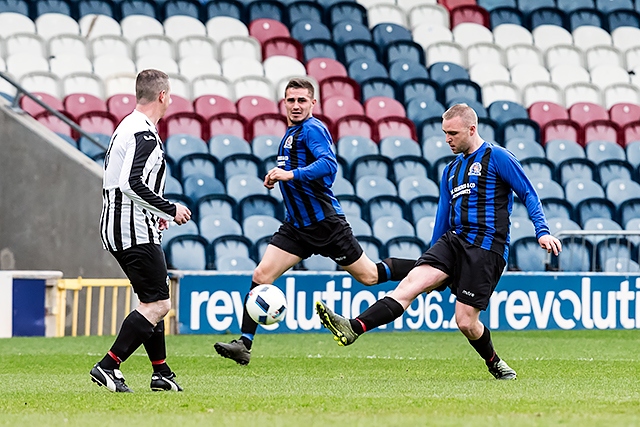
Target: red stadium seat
x=450 y=4
x=562 y=129
x=210 y=105
x=97 y=122
x=469 y=13
x=264 y=29
x=631 y=132
x=378 y=107
x=624 y=113
x=322 y=68
x=601 y=130
x=121 y=105
x=267 y=124
x=341 y=86
x=77 y=104
x=251 y=106
x=396 y=126
x=355 y=125
x=54 y=124
x=227 y=124
x=179 y=105
x=183 y=123
x=339 y=106
x=285 y=46
x=585 y=112
x=545 y=111
x=34 y=109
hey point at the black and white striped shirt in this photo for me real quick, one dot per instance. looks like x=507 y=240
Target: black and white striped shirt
x=132 y=186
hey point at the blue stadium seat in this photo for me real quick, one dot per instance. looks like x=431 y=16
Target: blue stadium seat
x=622 y=18
x=240 y=186
x=386 y=33
x=378 y=86
x=560 y=150
x=172 y=185
x=607 y=6
x=179 y=145
x=348 y=31
x=214 y=226
x=96 y=7
x=305 y=30
x=599 y=151
x=138 y=7
x=398 y=146
x=489 y=5
x=614 y=169
x=524 y=149
x=51 y=6
x=421 y=108
x=506 y=15
x=577 y=190
x=526 y=255
x=240 y=164
x=601 y=225
x=181 y=7
x=557 y=208
x=346 y=11
x=424 y=229
x=234 y=263
x=320 y=49
x=216 y=204
x=352 y=205
x=222 y=146
x=418 y=87
x=386 y=228
x=230 y=8
x=576 y=168
x=621 y=265
x=263 y=146
x=620 y=190
x=259 y=204
x=15 y=6
x=628 y=210
x=548 y=188
x=371 y=186
x=415 y=186
x=174 y=230
x=199 y=163
x=342 y=186
x=556 y=225
x=358 y=49
x=423 y=206
x=571 y=5
x=196 y=186
x=231 y=245
x=91 y=149
x=319 y=263
x=406 y=50
x=527 y=6
x=405 y=247
x=443 y=72
x=594 y=207
x=372 y=247
x=405 y=166
x=462 y=90
x=519 y=129
x=352 y=147
x=256 y=227
x=577 y=255
x=385 y=205
x=267 y=9
x=521 y=226
x=187 y=253
x=538 y=168
x=581 y=17
x=359 y=226
x=435 y=148
x=546 y=16
x=488 y=129
x=403 y=70
x=299 y=10
x=504 y=111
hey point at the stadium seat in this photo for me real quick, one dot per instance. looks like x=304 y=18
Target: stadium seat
x=319 y=263
x=234 y=263
x=92 y=150
x=405 y=247
x=197 y=186
x=630 y=133
x=402 y=70
x=388 y=14
x=216 y=204
x=577 y=255
x=178 y=146
x=371 y=186
x=524 y=149
x=599 y=226
x=633 y=153
x=259 y=204
x=342 y=11
x=484 y=53
x=185 y=124
x=198 y=163
x=256 y=227
x=231 y=245
x=504 y=111
x=227 y=124
x=575 y=167
x=415 y=186
x=500 y=91
x=577 y=190
x=418 y=87
x=443 y=72
x=422 y=13
x=469 y=13
x=384 y=205
x=178 y=26
x=527 y=256
x=239 y=164
x=409 y=166
x=299 y=10
x=538 y=168
x=393 y=147
x=77 y=103
x=445 y=52
x=355 y=126
x=353 y=208
x=339 y=86
x=599 y=151
x=547 y=188
x=396 y=127
x=187 y=252
x=523 y=54
x=305 y=30
x=33 y=108
x=403 y=50
x=240 y=186
x=543 y=112
x=386 y=228
x=423 y=206
x=214 y=226
x=373 y=164
x=101 y=122
x=424 y=229
x=563 y=129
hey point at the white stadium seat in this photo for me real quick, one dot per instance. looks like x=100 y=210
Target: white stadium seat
x=279 y=67
x=545 y=36
x=487 y=72
x=582 y=92
x=565 y=74
x=222 y=27
x=14 y=23
x=93 y=26
x=524 y=74
x=564 y=54
x=111 y=44
x=195 y=66
x=68 y=63
x=500 y=91
x=255 y=86
x=427 y=34
x=108 y=65
x=427 y=14
x=445 y=52
x=468 y=33
x=136 y=26
x=386 y=13
x=542 y=91
x=177 y=27
x=83 y=83
x=245 y=46
x=68 y=43
x=484 y=52
x=506 y=35
x=53 y=24
x=196 y=46
x=523 y=54
x=154 y=45
x=26 y=43
x=19 y=64
x=212 y=85
x=587 y=36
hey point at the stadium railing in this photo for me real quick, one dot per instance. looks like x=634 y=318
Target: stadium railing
x=101 y=315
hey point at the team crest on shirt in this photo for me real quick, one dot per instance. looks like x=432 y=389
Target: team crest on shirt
x=475 y=169
x=288 y=142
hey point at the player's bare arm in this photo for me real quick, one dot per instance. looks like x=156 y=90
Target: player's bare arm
x=551 y=244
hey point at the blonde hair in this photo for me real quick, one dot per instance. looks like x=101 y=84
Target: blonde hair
x=468 y=115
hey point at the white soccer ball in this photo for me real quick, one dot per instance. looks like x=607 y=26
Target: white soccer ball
x=266 y=304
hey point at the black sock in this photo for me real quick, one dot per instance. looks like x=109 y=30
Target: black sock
x=249 y=326
x=484 y=347
x=394 y=269
x=157 y=350
x=382 y=312
x=135 y=330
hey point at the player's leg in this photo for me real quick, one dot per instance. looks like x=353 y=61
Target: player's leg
x=369 y=273
x=274 y=264
x=423 y=278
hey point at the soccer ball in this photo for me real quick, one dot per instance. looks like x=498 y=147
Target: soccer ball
x=266 y=304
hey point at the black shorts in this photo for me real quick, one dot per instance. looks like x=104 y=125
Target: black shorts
x=332 y=237
x=146 y=269
x=473 y=272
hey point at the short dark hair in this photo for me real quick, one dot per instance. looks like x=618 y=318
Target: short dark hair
x=149 y=84
x=300 y=83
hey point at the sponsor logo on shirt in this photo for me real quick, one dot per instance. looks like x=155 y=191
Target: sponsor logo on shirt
x=288 y=142
x=475 y=169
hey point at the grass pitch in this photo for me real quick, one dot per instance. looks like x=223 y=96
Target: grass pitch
x=572 y=378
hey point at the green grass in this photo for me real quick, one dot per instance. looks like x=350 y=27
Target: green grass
x=577 y=378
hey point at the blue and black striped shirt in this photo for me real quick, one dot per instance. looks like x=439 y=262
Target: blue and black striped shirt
x=306 y=150
x=476 y=197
